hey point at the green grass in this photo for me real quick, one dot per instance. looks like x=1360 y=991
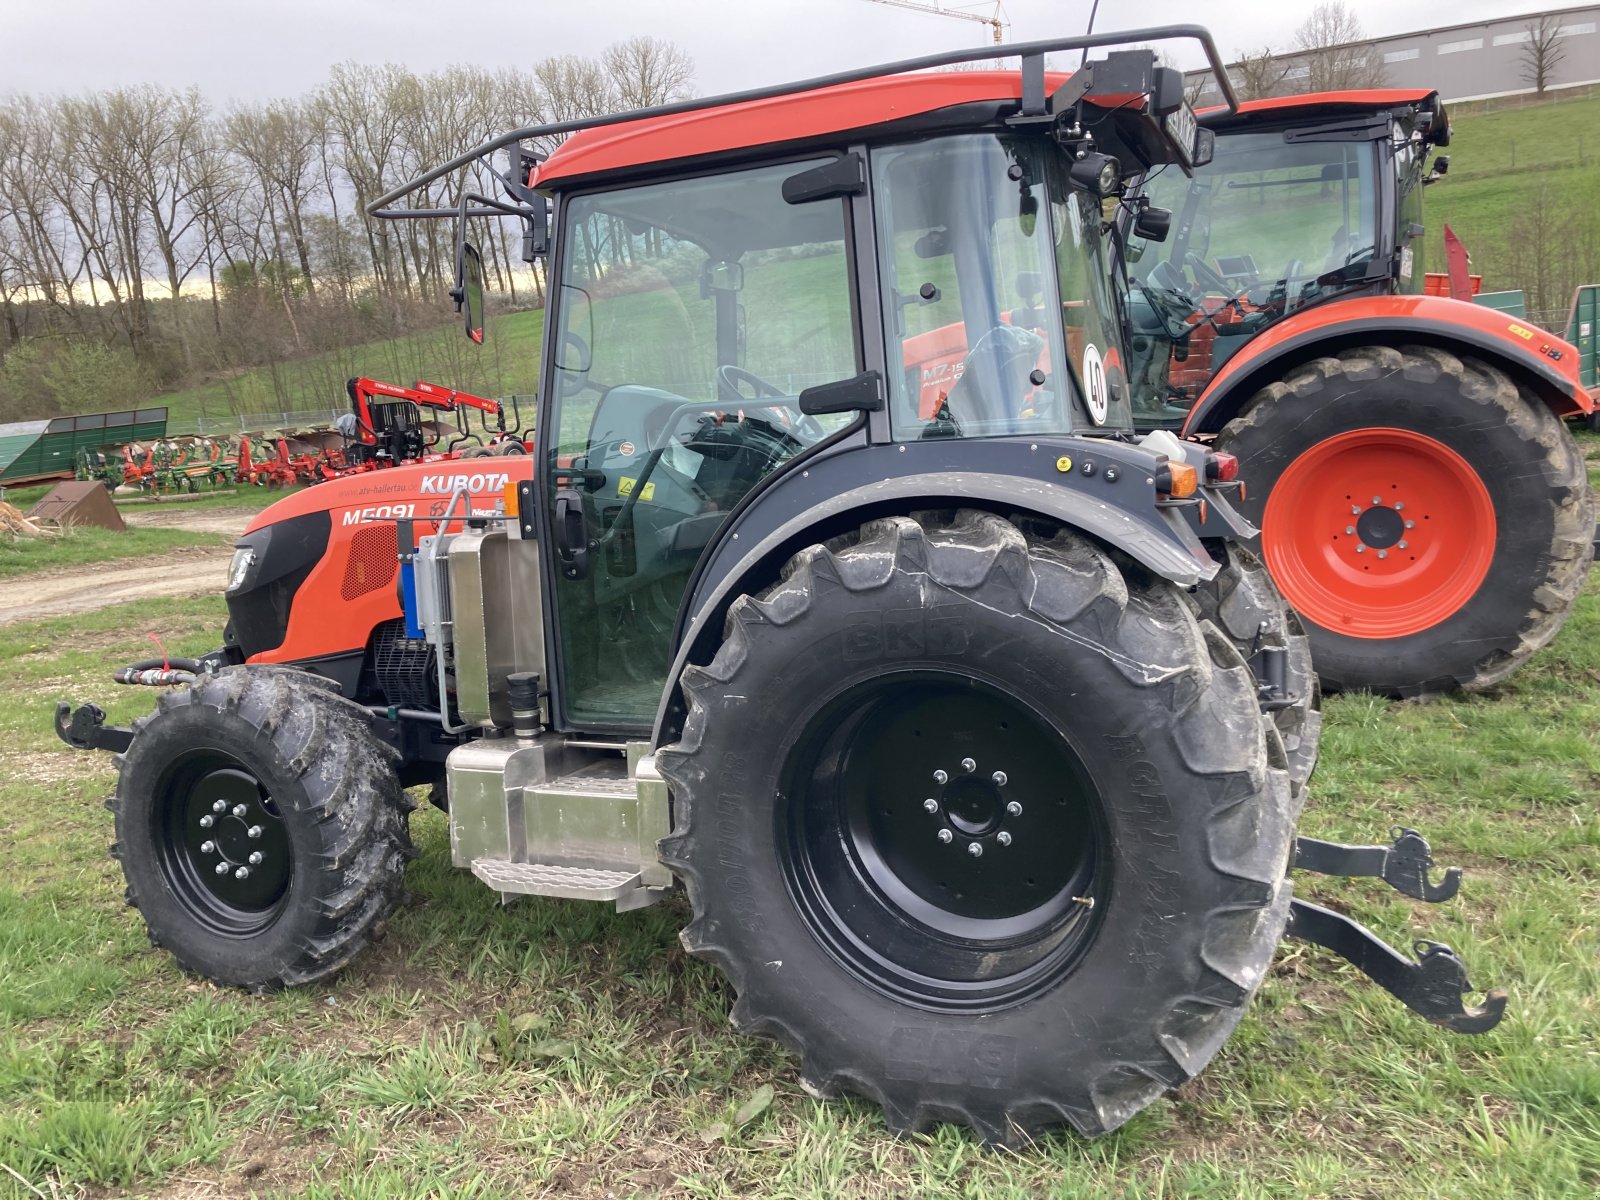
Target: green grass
x=83 y=545
x=560 y=1048
x=507 y=363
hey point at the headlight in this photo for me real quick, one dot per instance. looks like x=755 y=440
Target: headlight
x=244 y=558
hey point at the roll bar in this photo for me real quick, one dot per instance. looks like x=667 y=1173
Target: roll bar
x=1032 y=54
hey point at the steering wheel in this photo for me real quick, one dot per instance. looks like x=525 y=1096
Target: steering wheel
x=1169 y=278
x=1203 y=272
x=572 y=382
x=729 y=377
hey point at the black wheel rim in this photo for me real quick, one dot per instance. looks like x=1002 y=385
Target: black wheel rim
x=885 y=795
x=222 y=845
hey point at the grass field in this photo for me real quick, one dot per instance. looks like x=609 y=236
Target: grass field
x=77 y=547
x=557 y=1048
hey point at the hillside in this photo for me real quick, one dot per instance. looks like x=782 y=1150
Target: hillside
x=1520 y=194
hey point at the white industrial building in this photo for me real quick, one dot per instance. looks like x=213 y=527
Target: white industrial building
x=1475 y=61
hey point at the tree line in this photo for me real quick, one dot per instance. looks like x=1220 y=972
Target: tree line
x=149 y=239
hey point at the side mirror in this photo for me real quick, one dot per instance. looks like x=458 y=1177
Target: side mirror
x=468 y=292
x=1153 y=224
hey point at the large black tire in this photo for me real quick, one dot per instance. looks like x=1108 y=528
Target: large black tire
x=303 y=783
x=1072 y=974
x=1530 y=469
x=1243 y=603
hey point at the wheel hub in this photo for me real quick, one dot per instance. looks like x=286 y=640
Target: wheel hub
x=1379 y=533
x=944 y=840
x=224 y=848
x=1381 y=526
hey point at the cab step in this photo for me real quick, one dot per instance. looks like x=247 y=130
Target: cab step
x=546 y=879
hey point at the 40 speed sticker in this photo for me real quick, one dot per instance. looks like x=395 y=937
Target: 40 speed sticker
x=1095 y=392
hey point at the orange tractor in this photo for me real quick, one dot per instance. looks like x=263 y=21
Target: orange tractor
x=1422 y=504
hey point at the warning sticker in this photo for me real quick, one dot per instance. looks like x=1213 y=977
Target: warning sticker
x=626 y=449
x=625 y=487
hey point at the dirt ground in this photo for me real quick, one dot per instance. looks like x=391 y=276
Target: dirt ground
x=189 y=571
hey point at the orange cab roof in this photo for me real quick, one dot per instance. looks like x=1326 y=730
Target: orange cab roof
x=790 y=117
x=1363 y=98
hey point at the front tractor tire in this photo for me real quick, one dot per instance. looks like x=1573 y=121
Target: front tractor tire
x=1430 y=521
x=261 y=828
x=981 y=826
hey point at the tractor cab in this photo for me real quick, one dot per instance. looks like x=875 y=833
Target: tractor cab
x=900 y=282
x=1307 y=199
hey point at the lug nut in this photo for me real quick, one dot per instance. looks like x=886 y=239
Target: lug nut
x=1398 y=506
x=1361 y=549
x=255 y=858
x=1383 y=554
x=238 y=810
x=999 y=778
x=242 y=873
x=1402 y=543
x=207 y=847
x=220 y=806
x=1411 y=524
x=946 y=836
x=1377 y=499
x=254 y=831
x=1014 y=809
x=1355 y=510
x=1003 y=838
x=1349 y=528
x=222 y=868
x=930 y=805
x=968 y=765
x=941 y=777
x=974 y=849
x=207 y=821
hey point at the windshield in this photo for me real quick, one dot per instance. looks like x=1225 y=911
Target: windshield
x=1267 y=227
x=974 y=232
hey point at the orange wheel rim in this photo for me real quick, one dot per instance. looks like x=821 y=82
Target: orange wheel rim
x=1379 y=533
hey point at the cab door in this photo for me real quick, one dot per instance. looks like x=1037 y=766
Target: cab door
x=689 y=316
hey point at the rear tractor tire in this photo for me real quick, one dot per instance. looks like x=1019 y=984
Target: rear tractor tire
x=981 y=826
x=1430 y=521
x=261 y=828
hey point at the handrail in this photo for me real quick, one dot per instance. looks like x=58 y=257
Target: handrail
x=379 y=207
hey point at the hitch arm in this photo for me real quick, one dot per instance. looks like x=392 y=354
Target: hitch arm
x=1432 y=987
x=85 y=728
x=1404 y=866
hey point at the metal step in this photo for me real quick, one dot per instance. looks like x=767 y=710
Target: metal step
x=568 y=883
x=606 y=780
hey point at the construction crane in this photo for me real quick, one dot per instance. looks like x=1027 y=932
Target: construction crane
x=995 y=21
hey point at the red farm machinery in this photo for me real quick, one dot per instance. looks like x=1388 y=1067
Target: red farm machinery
x=1422 y=504
x=838 y=591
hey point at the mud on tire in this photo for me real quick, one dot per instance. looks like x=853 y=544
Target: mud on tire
x=1073 y=974
x=1245 y=605
x=302 y=783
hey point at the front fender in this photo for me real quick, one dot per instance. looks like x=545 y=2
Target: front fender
x=1061 y=479
x=1543 y=361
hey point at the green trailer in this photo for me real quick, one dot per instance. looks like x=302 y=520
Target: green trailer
x=1583 y=324
x=38 y=451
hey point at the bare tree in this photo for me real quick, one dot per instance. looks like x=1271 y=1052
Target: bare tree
x=646 y=71
x=1543 y=52
x=1335 y=50
x=1260 y=73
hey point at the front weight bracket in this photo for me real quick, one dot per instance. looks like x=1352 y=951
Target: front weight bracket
x=1432 y=986
x=1404 y=866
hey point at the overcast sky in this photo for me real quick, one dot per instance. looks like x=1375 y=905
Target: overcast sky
x=256 y=51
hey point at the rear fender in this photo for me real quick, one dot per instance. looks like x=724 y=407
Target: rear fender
x=1544 y=363
x=1044 y=480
